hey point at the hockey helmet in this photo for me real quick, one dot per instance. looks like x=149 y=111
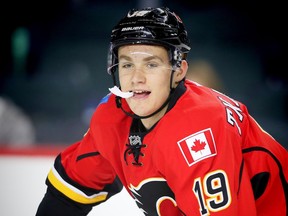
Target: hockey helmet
x=152 y=26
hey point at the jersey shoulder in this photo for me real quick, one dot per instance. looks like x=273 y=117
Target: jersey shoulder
x=107 y=111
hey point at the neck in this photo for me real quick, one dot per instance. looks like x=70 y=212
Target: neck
x=151 y=121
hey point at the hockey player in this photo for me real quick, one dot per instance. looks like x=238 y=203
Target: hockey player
x=177 y=147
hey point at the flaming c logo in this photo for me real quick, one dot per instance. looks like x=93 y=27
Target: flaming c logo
x=154 y=197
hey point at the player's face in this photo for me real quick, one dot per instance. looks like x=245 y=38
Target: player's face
x=145 y=70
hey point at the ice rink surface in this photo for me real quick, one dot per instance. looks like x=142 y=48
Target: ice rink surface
x=22 y=186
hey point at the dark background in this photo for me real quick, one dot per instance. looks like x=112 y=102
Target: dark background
x=53 y=57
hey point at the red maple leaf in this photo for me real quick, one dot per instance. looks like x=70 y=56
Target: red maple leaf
x=198 y=146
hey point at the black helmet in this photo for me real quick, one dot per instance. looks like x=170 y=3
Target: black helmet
x=158 y=26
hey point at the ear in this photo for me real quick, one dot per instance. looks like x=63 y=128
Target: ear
x=180 y=73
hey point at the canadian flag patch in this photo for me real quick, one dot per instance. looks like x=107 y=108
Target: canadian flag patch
x=198 y=146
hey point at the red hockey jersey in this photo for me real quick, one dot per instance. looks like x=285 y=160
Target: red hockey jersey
x=206 y=156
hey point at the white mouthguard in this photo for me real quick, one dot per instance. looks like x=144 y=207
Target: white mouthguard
x=116 y=91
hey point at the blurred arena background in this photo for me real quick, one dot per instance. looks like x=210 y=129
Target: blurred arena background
x=53 y=58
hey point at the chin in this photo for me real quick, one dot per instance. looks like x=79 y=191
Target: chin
x=141 y=113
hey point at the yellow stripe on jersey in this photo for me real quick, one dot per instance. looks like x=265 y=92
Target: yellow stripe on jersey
x=72 y=192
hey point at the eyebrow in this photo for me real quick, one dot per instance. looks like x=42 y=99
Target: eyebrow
x=152 y=57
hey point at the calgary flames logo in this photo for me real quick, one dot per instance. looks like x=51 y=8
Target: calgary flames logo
x=154 y=197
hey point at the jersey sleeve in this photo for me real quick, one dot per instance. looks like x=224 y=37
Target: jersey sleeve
x=267 y=164
x=80 y=179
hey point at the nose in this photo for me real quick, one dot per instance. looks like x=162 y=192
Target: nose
x=138 y=75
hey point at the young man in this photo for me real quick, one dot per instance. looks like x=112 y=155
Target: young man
x=179 y=148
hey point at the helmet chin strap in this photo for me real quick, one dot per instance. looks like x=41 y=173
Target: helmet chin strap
x=119 y=102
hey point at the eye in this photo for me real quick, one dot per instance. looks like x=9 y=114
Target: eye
x=126 y=65
x=152 y=65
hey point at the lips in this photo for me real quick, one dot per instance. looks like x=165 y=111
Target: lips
x=141 y=94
